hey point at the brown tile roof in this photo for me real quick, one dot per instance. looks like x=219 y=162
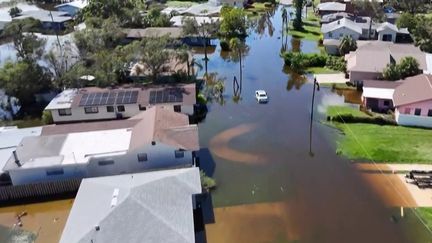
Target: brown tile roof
x=187 y=90
x=381 y=84
x=161 y=125
x=87 y=127
x=414 y=89
x=375 y=55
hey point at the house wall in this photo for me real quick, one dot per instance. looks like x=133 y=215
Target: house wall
x=360 y=76
x=341 y=32
x=23 y=176
x=387 y=32
x=332 y=49
x=78 y=114
x=425 y=106
x=409 y=119
x=159 y=156
x=378 y=105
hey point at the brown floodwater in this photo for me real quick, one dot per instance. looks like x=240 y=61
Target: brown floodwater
x=45 y=220
x=275 y=184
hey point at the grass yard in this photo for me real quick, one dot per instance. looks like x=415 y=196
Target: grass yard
x=27 y=122
x=339 y=86
x=320 y=70
x=426 y=214
x=180 y=4
x=345 y=110
x=389 y=144
x=311 y=31
x=257 y=8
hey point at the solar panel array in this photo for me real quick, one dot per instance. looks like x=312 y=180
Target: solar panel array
x=166 y=96
x=109 y=98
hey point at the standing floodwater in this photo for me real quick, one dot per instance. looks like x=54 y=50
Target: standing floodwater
x=271 y=187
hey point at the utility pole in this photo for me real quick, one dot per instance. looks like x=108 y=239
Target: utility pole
x=315 y=84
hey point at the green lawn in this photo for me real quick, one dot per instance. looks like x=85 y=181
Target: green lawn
x=426 y=214
x=311 y=31
x=340 y=86
x=257 y=8
x=180 y=4
x=320 y=70
x=28 y=122
x=345 y=110
x=390 y=144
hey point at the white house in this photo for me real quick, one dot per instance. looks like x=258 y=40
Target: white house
x=145 y=207
x=155 y=139
x=340 y=28
x=378 y=95
x=92 y=103
x=72 y=8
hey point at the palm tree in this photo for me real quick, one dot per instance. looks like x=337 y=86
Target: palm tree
x=237 y=46
x=346 y=45
x=182 y=55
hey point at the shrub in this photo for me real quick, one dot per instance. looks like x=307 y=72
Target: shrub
x=336 y=63
x=268 y=5
x=224 y=45
x=349 y=118
x=201 y=99
x=47 y=117
x=207 y=183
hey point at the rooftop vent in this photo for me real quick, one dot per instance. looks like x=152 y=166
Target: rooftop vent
x=97 y=228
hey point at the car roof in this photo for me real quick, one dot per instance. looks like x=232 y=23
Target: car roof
x=260 y=91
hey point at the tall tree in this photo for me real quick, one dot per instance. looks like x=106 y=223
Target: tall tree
x=412 y=6
x=155 y=56
x=238 y=47
x=347 y=44
x=204 y=30
x=422 y=33
x=298 y=22
x=29 y=47
x=372 y=9
x=23 y=80
x=233 y=23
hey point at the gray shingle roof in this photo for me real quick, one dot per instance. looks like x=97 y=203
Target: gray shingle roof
x=145 y=207
x=341 y=23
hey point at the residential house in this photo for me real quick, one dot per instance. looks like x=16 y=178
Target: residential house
x=340 y=28
x=72 y=8
x=413 y=101
x=232 y=3
x=146 y=207
x=328 y=18
x=178 y=20
x=154 y=139
x=51 y=20
x=370 y=59
x=330 y=7
x=378 y=95
x=208 y=9
x=90 y=104
x=171 y=32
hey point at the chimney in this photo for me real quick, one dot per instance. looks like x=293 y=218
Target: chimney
x=16 y=158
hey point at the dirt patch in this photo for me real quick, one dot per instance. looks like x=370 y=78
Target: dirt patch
x=47 y=220
x=219 y=145
x=263 y=222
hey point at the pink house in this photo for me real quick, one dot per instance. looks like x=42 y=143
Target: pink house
x=413 y=101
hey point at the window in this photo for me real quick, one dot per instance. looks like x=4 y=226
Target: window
x=330 y=34
x=120 y=108
x=179 y=154
x=54 y=172
x=105 y=162
x=142 y=157
x=386 y=103
x=110 y=108
x=177 y=108
x=65 y=112
x=142 y=108
x=430 y=113
x=407 y=111
x=417 y=112
x=89 y=110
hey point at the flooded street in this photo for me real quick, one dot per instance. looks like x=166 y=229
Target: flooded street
x=274 y=184
x=271 y=187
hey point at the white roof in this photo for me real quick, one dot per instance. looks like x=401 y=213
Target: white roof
x=10 y=137
x=261 y=91
x=63 y=100
x=80 y=147
x=178 y=20
x=387 y=25
x=341 y=23
x=378 y=93
x=135 y=208
x=331 y=6
x=76 y=4
x=204 y=9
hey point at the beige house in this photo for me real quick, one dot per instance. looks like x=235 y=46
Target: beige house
x=370 y=59
x=154 y=139
x=90 y=104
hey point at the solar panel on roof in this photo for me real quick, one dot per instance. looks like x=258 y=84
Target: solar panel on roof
x=109 y=98
x=166 y=96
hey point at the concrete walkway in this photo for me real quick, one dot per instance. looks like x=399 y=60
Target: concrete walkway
x=331 y=78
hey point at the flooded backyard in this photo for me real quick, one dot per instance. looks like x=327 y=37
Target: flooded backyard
x=275 y=184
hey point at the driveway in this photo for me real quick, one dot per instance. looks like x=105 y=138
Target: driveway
x=331 y=78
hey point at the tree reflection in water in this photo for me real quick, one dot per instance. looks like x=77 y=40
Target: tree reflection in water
x=296 y=79
x=264 y=22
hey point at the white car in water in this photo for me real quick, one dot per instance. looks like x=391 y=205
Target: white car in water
x=261 y=96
